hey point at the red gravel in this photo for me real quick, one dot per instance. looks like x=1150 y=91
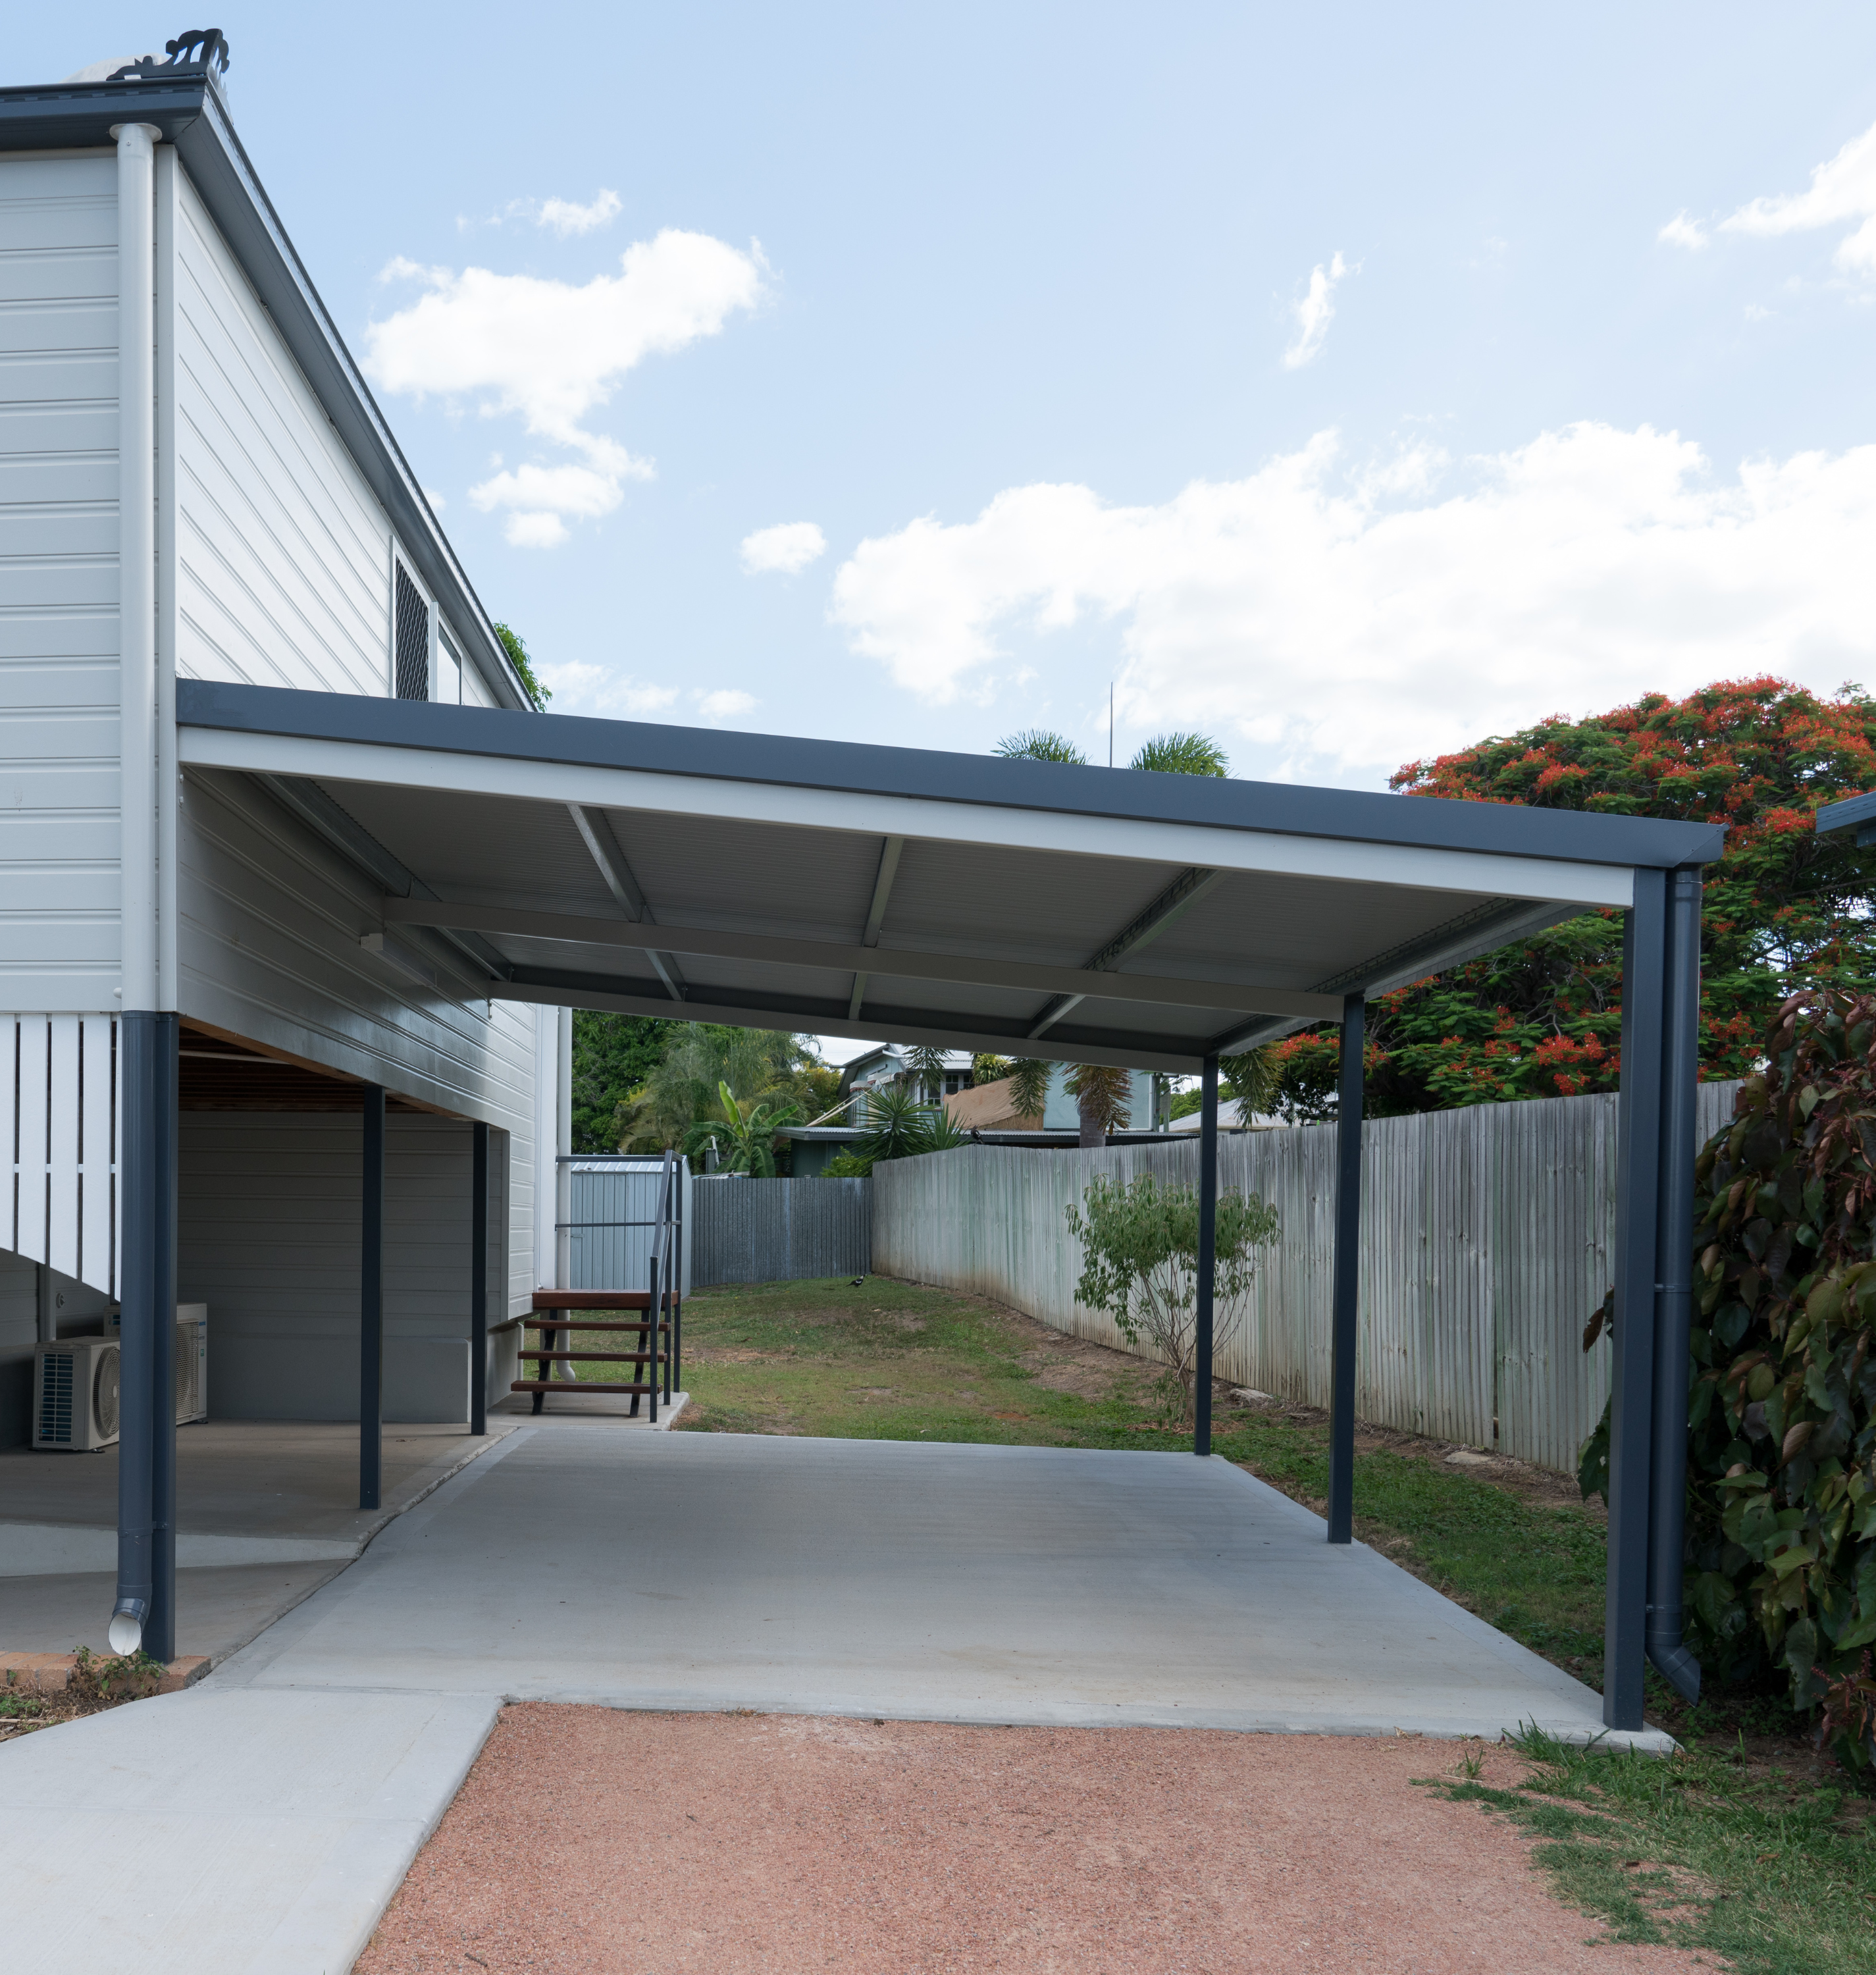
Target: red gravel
x=591 y=1841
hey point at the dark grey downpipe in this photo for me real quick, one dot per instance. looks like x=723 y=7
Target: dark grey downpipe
x=1351 y=1102
x=1674 y=1294
x=1208 y=1255
x=478 y=1279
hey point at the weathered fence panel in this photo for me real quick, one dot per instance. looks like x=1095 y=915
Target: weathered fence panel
x=1486 y=1235
x=776 y=1231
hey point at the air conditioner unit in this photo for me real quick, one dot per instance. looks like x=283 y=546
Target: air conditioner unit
x=191 y=1358
x=74 y=1394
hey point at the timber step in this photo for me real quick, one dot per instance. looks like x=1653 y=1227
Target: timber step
x=596 y=1357
x=567 y=1386
x=581 y=1323
x=592 y=1300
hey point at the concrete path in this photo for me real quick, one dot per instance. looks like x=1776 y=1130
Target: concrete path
x=572 y=1563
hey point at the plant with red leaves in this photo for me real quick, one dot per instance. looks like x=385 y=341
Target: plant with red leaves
x=1784 y=909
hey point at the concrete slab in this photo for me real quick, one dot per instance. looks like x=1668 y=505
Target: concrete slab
x=234 y=1833
x=573 y=1403
x=247 y=1479
x=878 y=1578
x=217 y=1611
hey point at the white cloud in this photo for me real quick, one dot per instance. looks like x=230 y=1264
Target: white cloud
x=787 y=548
x=552 y=352
x=565 y=217
x=1843 y=188
x=1357 y=619
x=579 y=687
x=725 y=704
x=1682 y=231
x=1314 y=313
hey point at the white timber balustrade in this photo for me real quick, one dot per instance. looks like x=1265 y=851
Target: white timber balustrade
x=58 y=1128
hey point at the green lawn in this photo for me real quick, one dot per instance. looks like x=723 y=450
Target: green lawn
x=1753 y=1852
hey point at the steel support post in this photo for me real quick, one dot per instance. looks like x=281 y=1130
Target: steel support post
x=478 y=1279
x=145 y=1613
x=653 y=1312
x=1207 y=1255
x=1639 y=1145
x=371 y=1303
x=1352 y=1094
x=1674 y=1282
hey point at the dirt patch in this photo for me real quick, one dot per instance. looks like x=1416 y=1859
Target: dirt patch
x=585 y=1839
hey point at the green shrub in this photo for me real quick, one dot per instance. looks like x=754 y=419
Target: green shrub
x=847 y=1165
x=1139 y=1244
x=1782 y=1420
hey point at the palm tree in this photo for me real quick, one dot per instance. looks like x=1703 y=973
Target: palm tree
x=744 y=1135
x=1100 y=1092
x=925 y=1069
x=898 y=1126
x=1252 y=1079
x=1181 y=754
x=1038 y=744
x=1029 y=1086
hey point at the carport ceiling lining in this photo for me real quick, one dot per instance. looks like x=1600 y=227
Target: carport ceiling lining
x=1082 y=914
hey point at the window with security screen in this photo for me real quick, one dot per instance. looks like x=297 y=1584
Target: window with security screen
x=413 y=630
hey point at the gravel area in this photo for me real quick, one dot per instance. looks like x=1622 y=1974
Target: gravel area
x=589 y=1839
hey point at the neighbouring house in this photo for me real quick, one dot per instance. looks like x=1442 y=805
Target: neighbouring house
x=1231 y=1118
x=885 y=1067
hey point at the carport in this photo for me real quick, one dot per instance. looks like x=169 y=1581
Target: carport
x=1086 y=915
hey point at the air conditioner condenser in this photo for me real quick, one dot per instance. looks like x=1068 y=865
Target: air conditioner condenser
x=74 y=1394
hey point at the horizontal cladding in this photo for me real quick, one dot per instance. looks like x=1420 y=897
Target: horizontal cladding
x=269 y=924
x=283 y=556
x=59 y=836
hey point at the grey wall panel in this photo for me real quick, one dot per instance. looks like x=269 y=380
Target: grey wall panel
x=771 y=1230
x=58 y=609
x=268 y=1235
x=284 y=551
x=1486 y=1237
x=270 y=920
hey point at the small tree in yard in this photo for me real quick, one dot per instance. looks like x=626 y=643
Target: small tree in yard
x=1139 y=1243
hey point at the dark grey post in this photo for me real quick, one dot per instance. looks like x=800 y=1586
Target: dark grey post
x=145 y=1612
x=1680 y=1044
x=1351 y=1095
x=1208 y=1255
x=478 y=1280
x=371 y=1305
x=652 y=1311
x=1637 y=1216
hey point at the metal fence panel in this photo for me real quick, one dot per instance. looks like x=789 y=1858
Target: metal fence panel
x=604 y=1192
x=1486 y=1238
x=778 y=1231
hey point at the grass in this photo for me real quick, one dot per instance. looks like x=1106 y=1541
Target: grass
x=1698 y=1853
x=1759 y=1855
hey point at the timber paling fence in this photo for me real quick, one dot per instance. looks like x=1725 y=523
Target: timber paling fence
x=1487 y=1239
x=775 y=1230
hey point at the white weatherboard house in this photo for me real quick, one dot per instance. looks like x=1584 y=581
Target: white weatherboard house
x=283 y=850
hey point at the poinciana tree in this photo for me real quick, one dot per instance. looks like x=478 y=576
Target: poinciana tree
x=1784 y=909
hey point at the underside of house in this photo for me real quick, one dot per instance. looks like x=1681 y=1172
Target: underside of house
x=300 y=890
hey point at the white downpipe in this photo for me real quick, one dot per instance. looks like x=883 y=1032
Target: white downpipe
x=136 y=564
x=168 y=774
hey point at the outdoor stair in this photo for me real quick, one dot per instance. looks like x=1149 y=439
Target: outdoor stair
x=555 y=1331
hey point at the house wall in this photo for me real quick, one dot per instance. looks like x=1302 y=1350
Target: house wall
x=268 y=1222
x=58 y=615
x=283 y=553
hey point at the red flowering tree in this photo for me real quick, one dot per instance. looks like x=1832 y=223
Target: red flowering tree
x=1784 y=909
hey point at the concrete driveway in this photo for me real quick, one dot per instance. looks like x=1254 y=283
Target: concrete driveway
x=572 y=1562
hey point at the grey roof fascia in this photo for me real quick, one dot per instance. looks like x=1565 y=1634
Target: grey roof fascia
x=1352 y=815
x=192 y=117
x=1857 y=813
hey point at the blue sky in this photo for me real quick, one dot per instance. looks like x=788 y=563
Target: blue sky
x=1009 y=308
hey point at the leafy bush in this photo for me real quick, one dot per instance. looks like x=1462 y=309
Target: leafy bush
x=848 y=1165
x=1783 y=1411
x=1782 y=1455
x=1140 y=1264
